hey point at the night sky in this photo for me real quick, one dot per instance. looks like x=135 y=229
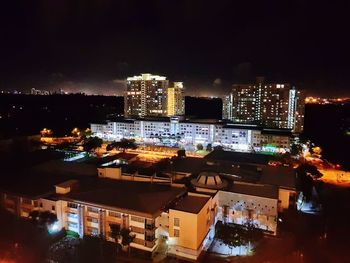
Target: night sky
x=92 y=45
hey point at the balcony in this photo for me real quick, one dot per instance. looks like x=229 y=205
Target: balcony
x=93 y=214
x=138 y=230
x=68 y=209
x=150 y=244
x=150 y=237
x=92 y=224
x=139 y=241
x=150 y=226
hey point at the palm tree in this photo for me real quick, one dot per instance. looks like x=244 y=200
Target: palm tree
x=115 y=233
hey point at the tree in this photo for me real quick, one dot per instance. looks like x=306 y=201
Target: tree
x=296 y=149
x=252 y=233
x=209 y=147
x=122 y=144
x=305 y=175
x=181 y=153
x=44 y=219
x=111 y=146
x=316 y=150
x=218 y=148
x=92 y=143
x=229 y=234
x=127 y=238
x=116 y=234
x=200 y=147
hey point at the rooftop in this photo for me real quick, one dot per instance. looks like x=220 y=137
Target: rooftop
x=240 y=157
x=210 y=180
x=284 y=177
x=267 y=191
x=191 y=203
x=143 y=199
x=68 y=183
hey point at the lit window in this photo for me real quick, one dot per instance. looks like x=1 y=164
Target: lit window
x=176 y=222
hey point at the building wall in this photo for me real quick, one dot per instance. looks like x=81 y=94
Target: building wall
x=193 y=229
x=194 y=133
x=287 y=199
x=269 y=104
x=109 y=172
x=95 y=221
x=238 y=208
x=175 y=100
x=146 y=95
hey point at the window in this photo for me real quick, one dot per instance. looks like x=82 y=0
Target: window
x=72 y=225
x=176 y=221
x=53 y=208
x=176 y=233
x=92 y=210
x=137 y=219
x=137 y=230
x=72 y=215
x=26 y=201
x=114 y=214
x=91 y=219
x=71 y=205
x=93 y=231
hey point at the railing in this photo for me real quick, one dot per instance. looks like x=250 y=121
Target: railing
x=150 y=226
x=137 y=230
x=139 y=241
x=68 y=209
x=150 y=244
x=150 y=238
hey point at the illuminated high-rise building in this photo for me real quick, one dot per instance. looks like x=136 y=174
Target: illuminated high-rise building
x=268 y=104
x=227 y=102
x=146 y=95
x=175 y=99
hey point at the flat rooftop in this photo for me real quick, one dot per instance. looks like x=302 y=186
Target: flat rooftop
x=284 y=177
x=191 y=203
x=267 y=191
x=239 y=157
x=143 y=199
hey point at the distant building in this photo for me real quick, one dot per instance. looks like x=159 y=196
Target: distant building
x=231 y=136
x=34 y=91
x=175 y=99
x=227 y=107
x=268 y=104
x=146 y=95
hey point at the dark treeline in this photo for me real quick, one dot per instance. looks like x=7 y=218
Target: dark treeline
x=327 y=126
x=28 y=114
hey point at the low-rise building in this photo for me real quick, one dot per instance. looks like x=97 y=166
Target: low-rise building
x=190 y=222
x=175 y=130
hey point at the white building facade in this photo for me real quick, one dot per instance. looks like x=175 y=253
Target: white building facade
x=235 y=137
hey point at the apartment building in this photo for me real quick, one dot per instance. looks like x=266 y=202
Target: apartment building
x=175 y=99
x=190 y=226
x=269 y=104
x=146 y=95
x=231 y=136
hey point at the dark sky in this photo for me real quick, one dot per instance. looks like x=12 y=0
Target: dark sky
x=90 y=43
